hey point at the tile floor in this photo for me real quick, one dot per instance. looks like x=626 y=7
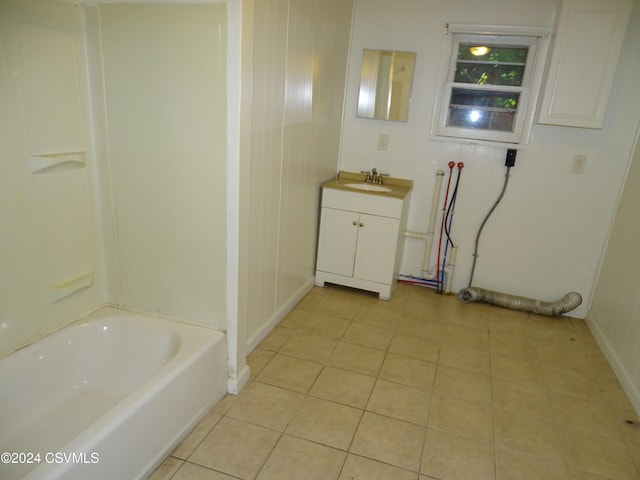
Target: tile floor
x=420 y=387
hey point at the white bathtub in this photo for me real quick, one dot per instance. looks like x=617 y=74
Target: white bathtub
x=106 y=398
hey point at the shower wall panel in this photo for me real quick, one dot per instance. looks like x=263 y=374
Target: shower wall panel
x=50 y=248
x=56 y=147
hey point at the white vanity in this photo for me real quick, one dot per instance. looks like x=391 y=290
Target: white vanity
x=360 y=225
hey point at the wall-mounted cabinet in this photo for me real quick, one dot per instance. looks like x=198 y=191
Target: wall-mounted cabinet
x=586 y=48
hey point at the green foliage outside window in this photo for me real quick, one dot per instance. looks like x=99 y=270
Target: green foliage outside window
x=499 y=66
x=496 y=54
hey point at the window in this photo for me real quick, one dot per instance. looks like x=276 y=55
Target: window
x=491 y=84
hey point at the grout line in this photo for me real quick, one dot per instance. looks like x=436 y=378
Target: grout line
x=554 y=421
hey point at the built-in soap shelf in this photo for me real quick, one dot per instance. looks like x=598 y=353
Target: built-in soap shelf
x=62 y=204
x=64 y=289
x=49 y=163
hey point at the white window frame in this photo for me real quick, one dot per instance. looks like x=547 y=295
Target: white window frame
x=536 y=38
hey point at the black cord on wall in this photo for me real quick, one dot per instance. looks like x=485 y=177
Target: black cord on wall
x=510 y=161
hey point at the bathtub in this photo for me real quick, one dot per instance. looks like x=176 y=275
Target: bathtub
x=107 y=397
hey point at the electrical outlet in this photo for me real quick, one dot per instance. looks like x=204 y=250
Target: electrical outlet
x=383 y=141
x=579 y=162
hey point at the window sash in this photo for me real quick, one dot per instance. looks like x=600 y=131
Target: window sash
x=457 y=127
x=507 y=136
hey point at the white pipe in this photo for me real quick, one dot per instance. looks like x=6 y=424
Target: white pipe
x=450 y=268
x=426 y=273
x=436 y=199
x=427 y=237
x=432 y=225
x=419 y=236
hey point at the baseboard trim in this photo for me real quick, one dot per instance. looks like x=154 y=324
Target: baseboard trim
x=271 y=323
x=236 y=383
x=632 y=390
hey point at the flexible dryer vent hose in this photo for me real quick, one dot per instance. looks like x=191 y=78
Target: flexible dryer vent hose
x=565 y=304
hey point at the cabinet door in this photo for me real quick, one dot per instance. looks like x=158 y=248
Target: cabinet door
x=589 y=37
x=337 y=241
x=376 y=252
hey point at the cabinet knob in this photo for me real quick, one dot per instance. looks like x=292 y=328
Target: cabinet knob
x=355 y=223
x=362 y=224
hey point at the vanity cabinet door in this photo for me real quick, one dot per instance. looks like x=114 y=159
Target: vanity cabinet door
x=376 y=248
x=358 y=240
x=337 y=241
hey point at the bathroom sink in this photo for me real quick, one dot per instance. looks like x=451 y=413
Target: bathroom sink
x=368 y=187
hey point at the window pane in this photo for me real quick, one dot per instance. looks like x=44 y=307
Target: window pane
x=484 y=98
x=490 y=64
x=495 y=54
x=481 y=120
x=482 y=110
x=489 y=74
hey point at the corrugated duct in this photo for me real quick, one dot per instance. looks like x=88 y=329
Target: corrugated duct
x=474 y=294
x=567 y=303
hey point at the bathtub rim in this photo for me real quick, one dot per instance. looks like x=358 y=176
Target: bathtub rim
x=90 y=437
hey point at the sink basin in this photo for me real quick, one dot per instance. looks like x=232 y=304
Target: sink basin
x=368 y=187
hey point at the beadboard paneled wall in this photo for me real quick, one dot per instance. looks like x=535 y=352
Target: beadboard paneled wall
x=300 y=52
x=615 y=312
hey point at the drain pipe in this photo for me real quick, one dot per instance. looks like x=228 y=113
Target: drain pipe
x=443 y=223
x=448 y=270
x=567 y=303
x=426 y=274
x=450 y=267
x=429 y=275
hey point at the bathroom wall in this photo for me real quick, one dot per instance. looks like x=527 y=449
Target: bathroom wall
x=614 y=316
x=299 y=50
x=615 y=311
x=547 y=236
x=164 y=117
x=50 y=249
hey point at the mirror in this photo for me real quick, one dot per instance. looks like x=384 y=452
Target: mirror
x=385 y=85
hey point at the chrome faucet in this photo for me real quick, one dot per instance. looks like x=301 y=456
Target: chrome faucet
x=373 y=176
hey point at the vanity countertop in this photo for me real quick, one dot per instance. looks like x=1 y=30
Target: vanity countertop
x=398 y=187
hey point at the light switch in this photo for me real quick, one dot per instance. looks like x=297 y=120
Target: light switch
x=383 y=141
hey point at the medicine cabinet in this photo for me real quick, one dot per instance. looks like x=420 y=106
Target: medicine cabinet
x=386 y=78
